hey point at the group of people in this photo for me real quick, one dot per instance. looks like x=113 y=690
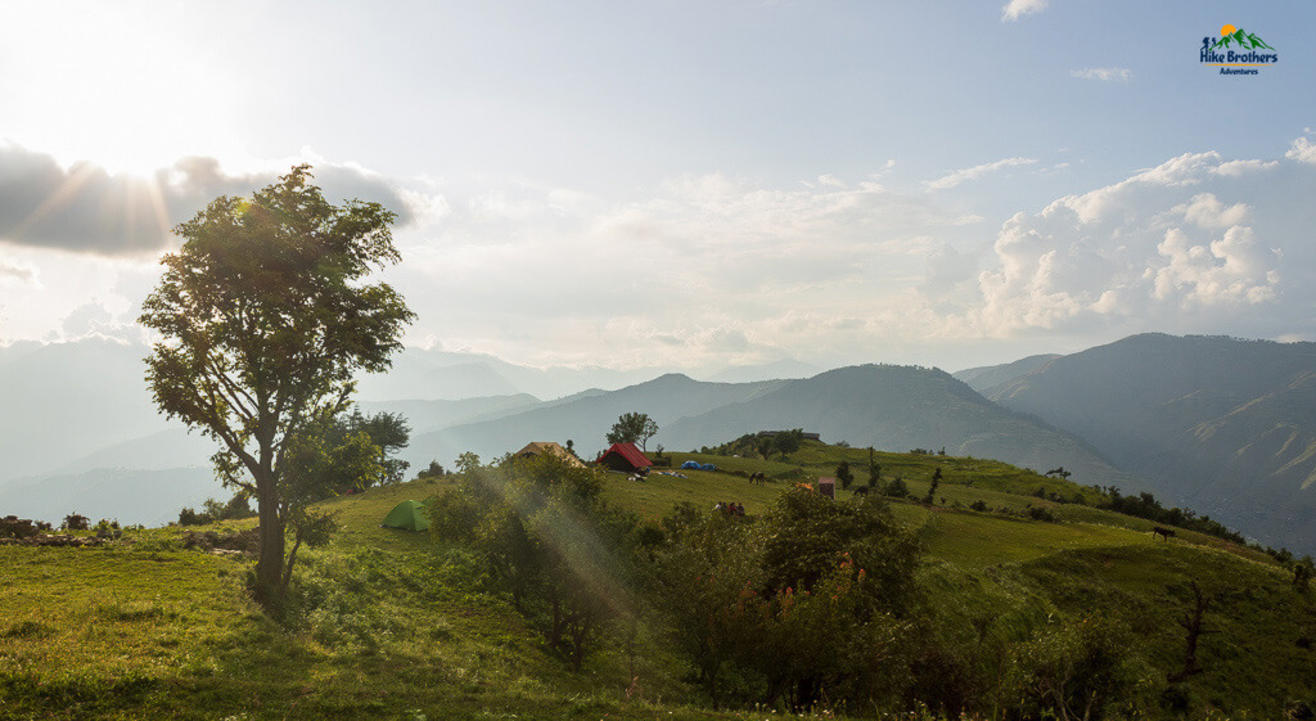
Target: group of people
x=730 y=509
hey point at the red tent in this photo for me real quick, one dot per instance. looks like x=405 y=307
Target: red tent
x=624 y=457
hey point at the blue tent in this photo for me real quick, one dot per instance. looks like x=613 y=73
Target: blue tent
x=708 y=467
x=690 y=466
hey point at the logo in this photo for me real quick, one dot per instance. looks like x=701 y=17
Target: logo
x=1237 y=52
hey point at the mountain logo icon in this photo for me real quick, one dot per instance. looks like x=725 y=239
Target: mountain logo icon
x=1237 y=52
x=1238 y=38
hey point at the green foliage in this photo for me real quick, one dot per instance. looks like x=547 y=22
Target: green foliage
x=844 y=475
x=434 y=470
x=788 y=442
x=265 y=318
x=805 y=602
x=1075 y=670
x=237 y=507
x=547 y=540
x=633 y=428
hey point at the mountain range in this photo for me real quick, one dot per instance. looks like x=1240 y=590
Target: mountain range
x=1223 y=426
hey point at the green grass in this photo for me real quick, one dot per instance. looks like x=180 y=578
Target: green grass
x=402 y=626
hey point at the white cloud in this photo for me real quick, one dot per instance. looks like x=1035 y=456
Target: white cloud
x=1122 y=75
x=1243 y=167
x=964 y=175
x=16 y=273
x=1162 y=249
x=1016 y=9
x=1303 y=151
x=1206 y=211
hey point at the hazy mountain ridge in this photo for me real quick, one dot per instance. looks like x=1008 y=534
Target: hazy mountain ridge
x=65 y=400
x=584 y=419
x=898 y=408
x=147 y=496
x=1224 y=426
x=984 y=377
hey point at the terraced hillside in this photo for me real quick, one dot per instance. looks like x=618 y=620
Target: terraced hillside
x=398 y=625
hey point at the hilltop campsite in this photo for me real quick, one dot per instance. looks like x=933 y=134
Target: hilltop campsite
x=1009 y=569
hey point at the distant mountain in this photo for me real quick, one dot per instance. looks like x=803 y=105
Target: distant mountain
x=64 y=400
x=1220 y=425
x=898 y=408
x=150 y=497
x=890 y=407
x=425 y=416
x=585 y=419
x=438 y=374
x=787 y=368
x=984 y=377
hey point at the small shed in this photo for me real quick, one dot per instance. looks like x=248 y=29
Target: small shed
x=827 y=486
x=624 y=457
x=537 y=448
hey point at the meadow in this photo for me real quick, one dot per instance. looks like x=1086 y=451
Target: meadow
x=398 y=625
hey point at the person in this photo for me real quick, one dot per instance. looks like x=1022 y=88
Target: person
x=717 y=506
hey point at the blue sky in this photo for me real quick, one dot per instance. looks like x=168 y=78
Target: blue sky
x=941 y=183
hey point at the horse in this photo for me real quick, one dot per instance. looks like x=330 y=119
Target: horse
x=757 y=478
x=1162 y=532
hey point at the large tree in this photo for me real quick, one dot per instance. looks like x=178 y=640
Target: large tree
x=265 y=315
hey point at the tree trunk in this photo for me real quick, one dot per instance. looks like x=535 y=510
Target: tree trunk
x=269 y=567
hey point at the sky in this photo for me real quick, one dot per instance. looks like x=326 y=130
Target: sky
x=688 y=185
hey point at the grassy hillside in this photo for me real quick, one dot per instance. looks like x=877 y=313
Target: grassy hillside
x=397 y=626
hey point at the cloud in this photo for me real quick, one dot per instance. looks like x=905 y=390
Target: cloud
x=85 y=209
x=1016 y=9
x=964 y=175
x=17 y=272
x=702 y=267
x=1243 y=167
x=1303 y=151
x=1192 y=243
x=1122 y=75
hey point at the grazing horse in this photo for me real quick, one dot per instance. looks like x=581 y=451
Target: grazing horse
x=757 y=478
x=1162 y=532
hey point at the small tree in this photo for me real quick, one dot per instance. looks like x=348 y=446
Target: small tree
x=788 y=442
x=932 y=487
x=265 y=318
x=843 y=475
x=1191 y=622
x=1303 y=570
x=633 y=428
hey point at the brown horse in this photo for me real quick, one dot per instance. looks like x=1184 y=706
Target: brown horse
x=1162 y=532
x=757 y=478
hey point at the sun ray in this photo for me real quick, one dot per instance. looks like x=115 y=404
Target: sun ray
x=77 y=177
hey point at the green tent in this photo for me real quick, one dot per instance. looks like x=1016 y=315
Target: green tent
x=409 y=515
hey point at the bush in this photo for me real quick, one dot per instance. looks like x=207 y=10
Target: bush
x=978 y=505
x=1038 y=513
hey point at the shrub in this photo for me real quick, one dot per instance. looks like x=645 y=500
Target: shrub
x=1038 y=513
